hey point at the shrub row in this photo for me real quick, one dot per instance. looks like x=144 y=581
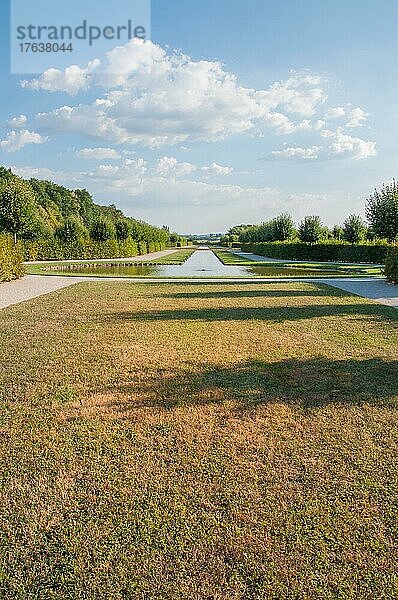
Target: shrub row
x=391 y=270
x=327 y=251
x=53 y=249
x=10 y=259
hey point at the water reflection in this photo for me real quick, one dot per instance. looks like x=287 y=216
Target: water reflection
x=202 y=263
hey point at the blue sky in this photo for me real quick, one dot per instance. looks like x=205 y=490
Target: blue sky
x=234 y=112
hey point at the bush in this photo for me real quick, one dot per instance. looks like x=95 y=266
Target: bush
x=391 y=270
x=11 y=258
x=327 y=251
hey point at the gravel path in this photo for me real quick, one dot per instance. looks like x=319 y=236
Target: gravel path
x=31 y=286
x=375 y=289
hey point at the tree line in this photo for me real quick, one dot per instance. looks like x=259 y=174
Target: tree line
x=37 y=209
x=382 y=224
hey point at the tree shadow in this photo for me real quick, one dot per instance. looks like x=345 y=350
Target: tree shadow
x=257 y=294
x=266 y=313
x=304 y=383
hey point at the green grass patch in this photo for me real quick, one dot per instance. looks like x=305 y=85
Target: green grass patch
x=198 y=441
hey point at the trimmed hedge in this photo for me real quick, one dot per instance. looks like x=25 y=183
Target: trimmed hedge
x=54 y=249
x=333 y=252
x=391 y=270
x=11 y=258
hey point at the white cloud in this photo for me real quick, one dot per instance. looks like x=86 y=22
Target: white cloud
x=156 y=98
x=98 y=153
x=337 y=145
x=17 y=122
x=214 y=170
x=295 y=153
x=169 y=165
x=129 y=172
x=72 y=80
x=335 y=113
x=342 y=145
x=357 y=118
x=301 y=93
x=16 y=140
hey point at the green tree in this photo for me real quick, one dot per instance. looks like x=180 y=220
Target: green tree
x=102 y=230
x=122 y=229
x=19 y=212
x=354 y=229
x=71 y=231
x=283 y=228
x=311 y=229
x=338 y=232
x=382 y=211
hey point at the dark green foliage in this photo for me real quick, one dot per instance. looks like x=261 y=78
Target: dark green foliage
x=354 y=229
x=102 y=230
x=311 y=229
x=122 y=229
x=71 y=231
x=382 y=211
x=338 y=232
x=326 y=251
x=391 y=269
x=10 y=259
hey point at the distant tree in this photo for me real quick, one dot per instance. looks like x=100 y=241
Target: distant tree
x=19 y=212
x=311 y=229
x=102 y=230
x=354 y=229
x=122 y=229
x=283 y=228
x=70 y=231
x=338 y=232
x=382 y=211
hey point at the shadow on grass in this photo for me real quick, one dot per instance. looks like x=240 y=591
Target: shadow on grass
x=257 y=294
x=275 y=314
x=304 y=383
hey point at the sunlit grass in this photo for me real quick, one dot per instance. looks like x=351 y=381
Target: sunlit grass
x=198 y=441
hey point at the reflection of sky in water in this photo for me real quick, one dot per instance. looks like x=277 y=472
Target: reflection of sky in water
x=202 y=263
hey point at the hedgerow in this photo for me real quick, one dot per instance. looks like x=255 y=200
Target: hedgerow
x=54 y=249
x=391 y=269
x=326 y=251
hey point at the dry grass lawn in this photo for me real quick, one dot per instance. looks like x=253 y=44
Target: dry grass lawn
x=194 y=441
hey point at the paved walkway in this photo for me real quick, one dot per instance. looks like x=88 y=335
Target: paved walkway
x=375 y=289
x=31 y=286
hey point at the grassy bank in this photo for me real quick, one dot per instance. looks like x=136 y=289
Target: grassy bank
x=230 y=258
x=190 y=441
